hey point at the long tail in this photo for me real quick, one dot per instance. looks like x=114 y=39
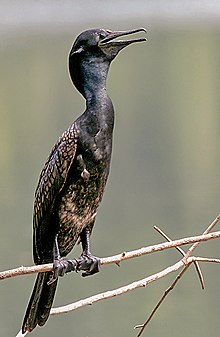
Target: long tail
x=40 y=303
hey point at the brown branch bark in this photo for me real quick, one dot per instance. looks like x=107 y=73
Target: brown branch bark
x=184 y=263
x=182 y=252
x=132 y=286
x=179 y=276
x=116 y=259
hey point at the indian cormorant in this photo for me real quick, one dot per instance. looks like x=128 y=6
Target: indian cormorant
x=73 y=179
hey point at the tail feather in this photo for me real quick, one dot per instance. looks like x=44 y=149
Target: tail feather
x=40 y=303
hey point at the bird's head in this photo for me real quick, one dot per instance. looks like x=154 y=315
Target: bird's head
x=92 y=53
x=102 y=42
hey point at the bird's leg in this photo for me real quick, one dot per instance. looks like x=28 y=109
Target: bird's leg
x=84 y=174
x=90 y=264
x=61 y=266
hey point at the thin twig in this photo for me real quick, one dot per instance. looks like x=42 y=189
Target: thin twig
x=191 y=260
x=143 y=326
x=182 y=252
x=206 y=259
x=208 y=229
x=186 y=256
x=169 y=239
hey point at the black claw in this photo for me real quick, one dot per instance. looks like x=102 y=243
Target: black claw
x=61 y=267
x=51 y=279
x=88 y=263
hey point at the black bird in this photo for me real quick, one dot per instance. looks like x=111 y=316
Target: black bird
x=72 y=182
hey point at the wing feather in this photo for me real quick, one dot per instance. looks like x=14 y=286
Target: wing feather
x=51 y=183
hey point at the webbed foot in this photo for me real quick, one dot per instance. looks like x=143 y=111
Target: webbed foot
x=62 y=266
x=88 y=263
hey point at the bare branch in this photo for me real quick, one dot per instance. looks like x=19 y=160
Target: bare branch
x=26 y=270
x=182 y=252
x=186 y=255
x=208 y=229
x=159 y=247
x=159 y=230
x=206 y=259
x=185 y=263
x=119 y=291
x=116 y=259
x=132 y=286
x=171 y=287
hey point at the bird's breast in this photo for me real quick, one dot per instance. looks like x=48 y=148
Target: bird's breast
x=80 y=198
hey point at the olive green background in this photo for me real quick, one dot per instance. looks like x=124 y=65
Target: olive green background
x=165 y=164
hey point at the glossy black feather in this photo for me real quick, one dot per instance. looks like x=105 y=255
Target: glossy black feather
x=51 y=182
x=73 y=180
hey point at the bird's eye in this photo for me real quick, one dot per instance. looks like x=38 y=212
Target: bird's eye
x=102 y=35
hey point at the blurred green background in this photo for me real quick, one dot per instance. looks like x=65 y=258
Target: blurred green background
x=165 y=165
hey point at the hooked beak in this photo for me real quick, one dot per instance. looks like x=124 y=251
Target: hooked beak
x=109 y=41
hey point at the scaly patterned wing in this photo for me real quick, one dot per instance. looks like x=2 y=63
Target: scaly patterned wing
x=51 y=182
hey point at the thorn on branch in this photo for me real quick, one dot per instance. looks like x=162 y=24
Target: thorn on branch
x=138 y=326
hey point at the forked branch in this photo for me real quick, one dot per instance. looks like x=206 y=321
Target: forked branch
x=184 y=263
x=116 y=259
x=179 y=276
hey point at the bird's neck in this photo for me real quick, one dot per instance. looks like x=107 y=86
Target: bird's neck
x=89 y=77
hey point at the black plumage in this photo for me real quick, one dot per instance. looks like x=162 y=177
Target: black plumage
x=72 y=182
